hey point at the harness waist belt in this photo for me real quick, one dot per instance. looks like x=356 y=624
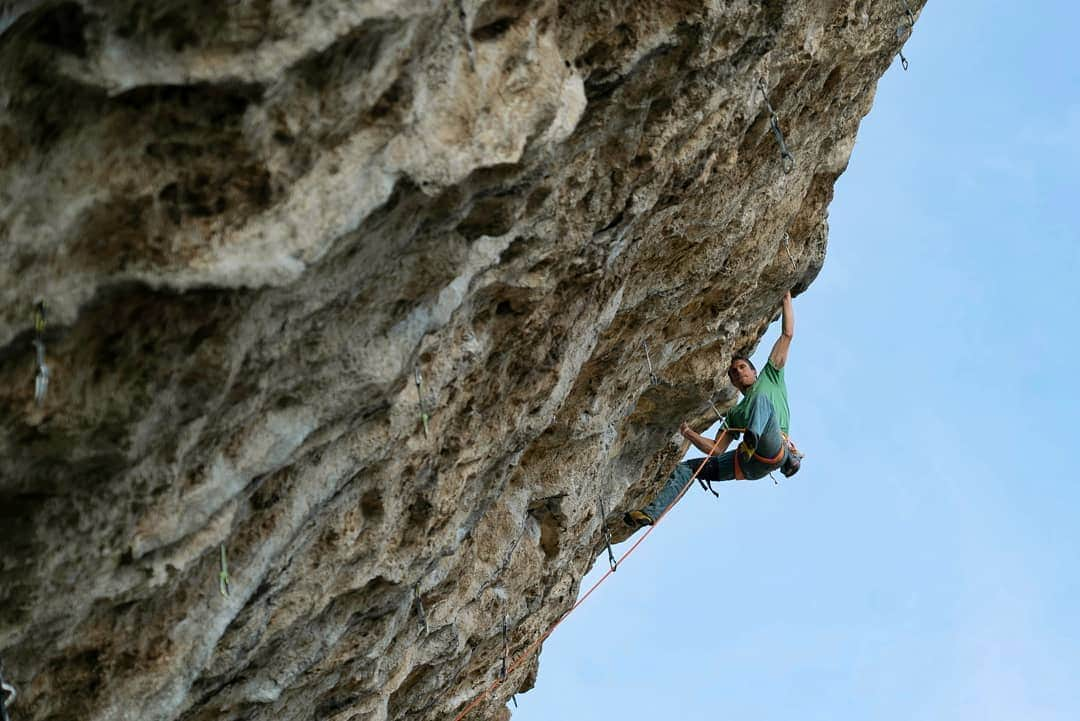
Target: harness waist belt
x=775 y=459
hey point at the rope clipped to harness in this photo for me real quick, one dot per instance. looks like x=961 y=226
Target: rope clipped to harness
x=790 y=465
x=787 y=160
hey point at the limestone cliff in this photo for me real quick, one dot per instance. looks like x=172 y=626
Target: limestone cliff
x=255 y=226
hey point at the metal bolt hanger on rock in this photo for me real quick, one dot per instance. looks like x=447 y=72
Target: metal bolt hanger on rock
x=786 y=158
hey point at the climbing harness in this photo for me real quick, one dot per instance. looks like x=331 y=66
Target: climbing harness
x=223 y=574
x=607 y=537
x=420 y=399
x=752 y=453
x=904 y=32
x=744 y=449
x=652 y=375
x=786 y=158
x=528 y=652
x=41 y=380
x=420 y=608
x=7 y=695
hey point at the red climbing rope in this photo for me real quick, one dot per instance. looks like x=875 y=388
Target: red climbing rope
x=536 y=644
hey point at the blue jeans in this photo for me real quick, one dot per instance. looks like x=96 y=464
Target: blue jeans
x=763 y=435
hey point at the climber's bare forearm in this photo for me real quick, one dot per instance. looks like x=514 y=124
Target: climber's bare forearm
x=704 y=444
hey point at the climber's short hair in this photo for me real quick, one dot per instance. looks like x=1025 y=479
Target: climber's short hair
x=742 y=358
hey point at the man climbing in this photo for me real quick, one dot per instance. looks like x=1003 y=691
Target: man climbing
x=762 y=416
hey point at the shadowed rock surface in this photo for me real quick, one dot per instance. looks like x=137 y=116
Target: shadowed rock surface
x=254 y=224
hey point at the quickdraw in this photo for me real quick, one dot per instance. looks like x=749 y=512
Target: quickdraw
x=787 y=160
x=223 y=574
x=41 y=380
x=787 y=246
x=420 y=609
x=652 y=374
x=607 y=537
x=903 y=32
x=424 y=418
x=7 y=695
x=506 y=647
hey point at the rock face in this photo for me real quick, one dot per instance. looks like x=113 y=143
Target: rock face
x=256 y=225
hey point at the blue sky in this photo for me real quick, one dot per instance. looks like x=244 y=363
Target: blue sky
x=925 y=563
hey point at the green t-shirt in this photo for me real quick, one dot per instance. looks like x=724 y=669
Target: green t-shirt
x=770 y=382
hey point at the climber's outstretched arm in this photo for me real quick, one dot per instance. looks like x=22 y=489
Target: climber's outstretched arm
x=778 y=357
x=706 y=445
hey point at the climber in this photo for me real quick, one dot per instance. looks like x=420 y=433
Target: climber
x=762 y=416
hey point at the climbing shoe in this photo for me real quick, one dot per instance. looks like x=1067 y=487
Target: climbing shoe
x=637 y=519
x=791 y=463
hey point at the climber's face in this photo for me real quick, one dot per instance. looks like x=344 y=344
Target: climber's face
x=742 y=375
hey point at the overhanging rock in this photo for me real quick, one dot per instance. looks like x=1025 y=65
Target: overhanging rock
x=358 y=292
